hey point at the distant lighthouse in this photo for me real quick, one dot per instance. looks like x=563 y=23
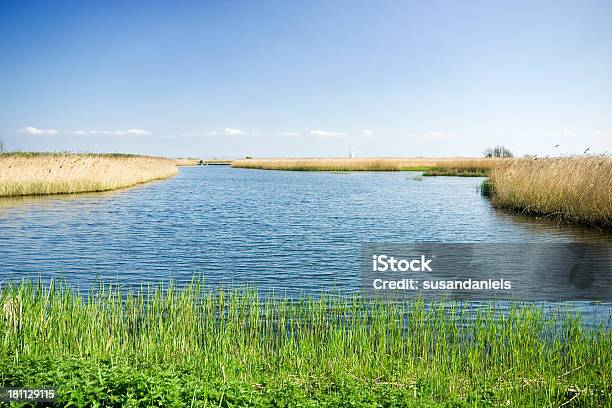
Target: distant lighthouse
x=351 y=154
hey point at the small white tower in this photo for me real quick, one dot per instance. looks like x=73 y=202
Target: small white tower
x=351 y=154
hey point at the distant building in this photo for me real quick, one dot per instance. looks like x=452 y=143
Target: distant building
x=351 y=154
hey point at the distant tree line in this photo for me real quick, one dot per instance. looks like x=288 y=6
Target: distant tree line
x=497 y=151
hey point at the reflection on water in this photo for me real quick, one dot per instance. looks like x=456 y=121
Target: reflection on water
x=46 y=200
x=289 y=231
x=536 y=223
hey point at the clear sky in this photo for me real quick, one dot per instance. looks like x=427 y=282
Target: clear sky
x=306 y=78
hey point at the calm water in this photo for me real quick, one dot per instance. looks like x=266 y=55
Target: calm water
x=290 y=231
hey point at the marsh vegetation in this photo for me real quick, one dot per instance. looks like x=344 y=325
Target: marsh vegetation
x=58 y=173
x=172 y=346
x=431 y=166
x=571 y=189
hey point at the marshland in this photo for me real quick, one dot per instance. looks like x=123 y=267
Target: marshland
x=290 y=327
x=472 y=139
x=570 y=189
x=244 y=224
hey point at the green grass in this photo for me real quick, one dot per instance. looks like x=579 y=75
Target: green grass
x=432 y=171
x=461 y=172
x=416 y=168
x=191 y=347
x=487 y=188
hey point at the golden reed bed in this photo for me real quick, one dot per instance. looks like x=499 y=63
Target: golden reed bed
x=40 y=174
x=365 y=164
x=573 y=189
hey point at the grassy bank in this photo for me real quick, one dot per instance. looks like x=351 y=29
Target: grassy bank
x=197 y=348
x=572 y=189
x=431 y=166
x=49 y=173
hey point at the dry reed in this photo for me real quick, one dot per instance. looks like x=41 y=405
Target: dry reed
x=573 y=189
x=366 y=164
x=41 y=174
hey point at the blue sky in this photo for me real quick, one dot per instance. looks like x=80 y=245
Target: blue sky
x=279 y=78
